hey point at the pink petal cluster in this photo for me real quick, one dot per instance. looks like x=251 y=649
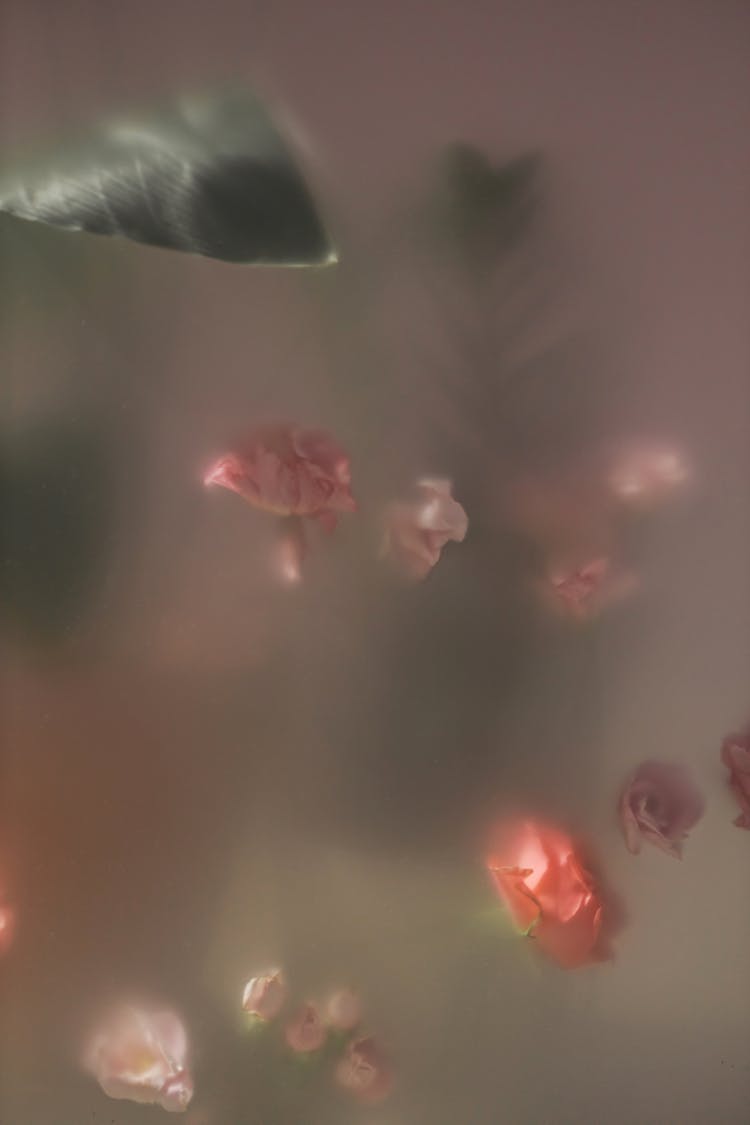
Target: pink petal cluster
x=265 y=995
x=288 y=471
x=140 y=1055
x=660 y=804
x=417 y=530
x=735 y=754
x=306 y=1031
x=364 y=1072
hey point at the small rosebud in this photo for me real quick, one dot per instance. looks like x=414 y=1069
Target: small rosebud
x=364 y=1072
x=264 y=995
x=140 y=1055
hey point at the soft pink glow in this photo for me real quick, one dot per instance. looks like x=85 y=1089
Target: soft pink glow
x=417 y=530
x=567 y=512
x=647 y=473
x=290 y=551
x=550 y=894
x=660 y=804
x=265 y=995
x=7 y=927
x=289 y=471
x=305 y=1031
x=735 y=754
x=364 y=1072
x=344 y=1010
x=140 y=1055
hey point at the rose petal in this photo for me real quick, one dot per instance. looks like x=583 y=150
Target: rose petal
x=416 y=531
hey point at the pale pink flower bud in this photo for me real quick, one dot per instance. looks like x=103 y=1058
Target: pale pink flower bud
x=264 y=995
x=417 y=530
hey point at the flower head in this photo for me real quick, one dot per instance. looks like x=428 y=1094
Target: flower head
x=364 y=1072
x=417 y=530
x=735 y=754
x=140 y=1055
x=660 y=804
x=264 y=996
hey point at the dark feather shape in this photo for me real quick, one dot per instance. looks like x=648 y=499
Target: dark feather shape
x=209 y=176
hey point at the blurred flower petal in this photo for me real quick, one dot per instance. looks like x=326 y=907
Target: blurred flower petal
x=264 y=996
x=7 y=927
x=416 y=531
x=364 y=1072
x=550 y=894
x=344 y=1010
x=735 y=754
x=289 y=471
x=647 y=473
x=586 y=590
x=660 y=804
x=290 y=551
x=140 y=1055
x=306 y=1031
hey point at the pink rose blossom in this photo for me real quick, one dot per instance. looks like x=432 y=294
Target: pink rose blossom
x=344 y=1010
x=364 y=1072
x=305 y=1031
x=264 y=996
x=735 y=754
x=660 y=804
x=140 y=1055
x=416 y=531
x=288 y=471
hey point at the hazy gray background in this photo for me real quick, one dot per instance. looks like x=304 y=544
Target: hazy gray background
x=202 y=772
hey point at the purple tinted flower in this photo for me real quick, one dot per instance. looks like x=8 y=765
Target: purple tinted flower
x=660 y=804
